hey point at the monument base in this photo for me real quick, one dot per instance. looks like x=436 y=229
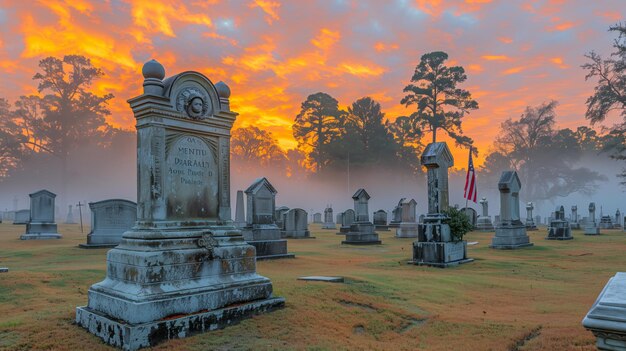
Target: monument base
x=362 y=233
x=592 y=231
x=40 y=236
x=267 y=240
x=555 y=233
x=329 y=226
x=297 y=234
x=132 y=337
x=440 y=254
x=381 y=227
x=510 y=238
x=483 y=224
x=605 y=318
x=37 y=231
x=407 y=230
x=97 y=246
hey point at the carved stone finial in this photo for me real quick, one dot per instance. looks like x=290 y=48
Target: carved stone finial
x=223 y=91
x=153 y=74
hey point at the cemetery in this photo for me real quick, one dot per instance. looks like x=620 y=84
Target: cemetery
x=146 y=207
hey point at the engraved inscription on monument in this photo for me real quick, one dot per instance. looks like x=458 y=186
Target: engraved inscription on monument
x=191 y=179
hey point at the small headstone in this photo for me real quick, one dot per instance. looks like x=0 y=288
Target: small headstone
x=618 y=220
x=530 y=223
x=321 y=278
x=510 y=231
x=328 y=218
x=591 y=227
x=261 y=230
x=278 y=215
x=408 y=227
x=240 y=211
x=574 y=222
x=435 y=245
x=380 y=220
x=317 y=218
x=22 y=217
x=559 y=228
x=471 y=214
x=110 y=219
x=70 y=216
x=396 y=215
x=362 y=230
x=348 y=217
x=41 y=224
x=483 y=223
x=295 y=224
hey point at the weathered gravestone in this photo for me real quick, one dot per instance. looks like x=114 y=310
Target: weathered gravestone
x=408 y=227
x=41 y=224
x=483 y=223
x=530 y=223
x=435 y=245
x=295 y=224
x=510 y=231
x=574 y=222
x=261 y=230
x=328 y=218
x=362 y=230
x=184 y=268
x=317 y=218
x=110 y=219
x=70 y=216
x=380 y=220
x=559 y=228
x=606 y=319
x=591 y=228
x=538 y=220
x=278 y=215
x=617 y=224
x=240 y=212
x=347 y=219
x=471 y=214
x=22 y=217
x=339 y=218
x=396 y=215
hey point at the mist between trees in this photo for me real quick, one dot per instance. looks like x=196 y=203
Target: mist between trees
x=59 y=140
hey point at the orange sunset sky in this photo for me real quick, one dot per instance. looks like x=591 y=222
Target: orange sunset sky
x=273 y=53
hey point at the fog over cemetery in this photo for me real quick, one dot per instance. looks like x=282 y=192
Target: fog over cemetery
x=357 y=189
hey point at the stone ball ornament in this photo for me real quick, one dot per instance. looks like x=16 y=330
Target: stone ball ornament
x=222 y=90
x=153 y=69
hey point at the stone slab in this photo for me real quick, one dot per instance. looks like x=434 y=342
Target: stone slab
x=276 y=257
x=606 y=319
x=373 y=242
x=132 y=337
x=510 y=246
x=97 y=246
x=40 y=236
x=4 y=270
x=321 y=278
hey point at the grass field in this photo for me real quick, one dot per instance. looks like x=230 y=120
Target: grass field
x=528 y=299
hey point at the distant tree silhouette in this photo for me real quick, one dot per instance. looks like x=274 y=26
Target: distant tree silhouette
x=440 y=104
x=254 y=146
x=316 y=125
x=610 y=91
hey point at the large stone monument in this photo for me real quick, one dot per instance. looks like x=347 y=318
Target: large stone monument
x=362 y=230
x=261 y=230
x=559 y=228
x=606 y=319
x=574 y=221
x=435 y=245
x=70 y=216
x=110 y=219
x=530 y=222
x=396 y=215
x=408 y=227
x=240 y=212
x=295 y=224
x=22 y=217
x=510 y=231
x=380 y=220
x=483 y=223
x=591 y=227
x=328 y=219
x=184 y=268
x=41 y=224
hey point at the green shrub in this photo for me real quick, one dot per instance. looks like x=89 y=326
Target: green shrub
x=458 y=222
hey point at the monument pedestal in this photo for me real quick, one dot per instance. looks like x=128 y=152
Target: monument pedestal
x=362 y=233
x=164 y=284
x=592 y=230
x=37 y=231
x=559 y=230
x=510 y=237
x=605 y=319
x=434 y=245
x=267 y=240
x=407 y=230
x=484 y=224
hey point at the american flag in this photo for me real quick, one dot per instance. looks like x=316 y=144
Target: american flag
x=470 y=180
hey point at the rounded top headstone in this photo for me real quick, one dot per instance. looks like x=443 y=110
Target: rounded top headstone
x=153 y=69
x=222 y=90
